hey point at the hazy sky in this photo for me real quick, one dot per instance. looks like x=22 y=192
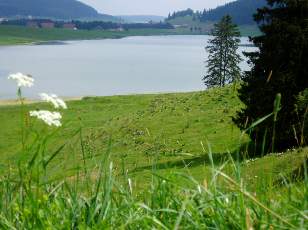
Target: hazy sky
x=152 y=7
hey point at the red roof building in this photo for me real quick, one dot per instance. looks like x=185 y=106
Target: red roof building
x=48 y=25
x=69 y=26
x=32 y=24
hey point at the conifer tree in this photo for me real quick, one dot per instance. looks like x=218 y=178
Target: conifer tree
x=223 y=59
x=280 y=66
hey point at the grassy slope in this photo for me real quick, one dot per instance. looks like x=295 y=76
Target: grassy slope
x=188 y=21
x=164 y=129
x=246 y=30
x=10 y=35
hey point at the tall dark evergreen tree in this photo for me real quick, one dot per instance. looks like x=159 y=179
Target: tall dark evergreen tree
x=223 y=58
x=280 y=66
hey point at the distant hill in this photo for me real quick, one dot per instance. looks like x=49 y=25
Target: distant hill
x=241 y=11
x=58 y=9
x=202 y=22
x=141 y=18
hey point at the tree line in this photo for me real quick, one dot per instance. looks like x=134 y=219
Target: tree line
x=182 y=13
x=241 y=12
x=60 y=9
x=93 y=25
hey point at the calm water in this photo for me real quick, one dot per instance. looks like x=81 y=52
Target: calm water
x=108 y=67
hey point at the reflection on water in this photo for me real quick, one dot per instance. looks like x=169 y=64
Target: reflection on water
x=109 y=67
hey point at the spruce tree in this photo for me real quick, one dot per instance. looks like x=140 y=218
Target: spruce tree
x=280 y=66
x=223 y=59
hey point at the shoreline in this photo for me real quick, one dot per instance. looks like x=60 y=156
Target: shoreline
x=65 y=41
x=15 y=35
x=18 y=35
x=6 y=102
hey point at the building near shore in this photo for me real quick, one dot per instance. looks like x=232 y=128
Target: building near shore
x=32 y=24
x=48 y=25
x=3 y=20
x=69 y=26
x=120 y=29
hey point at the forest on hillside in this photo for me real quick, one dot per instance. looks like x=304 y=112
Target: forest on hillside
x=61 y=9
x=241 y=12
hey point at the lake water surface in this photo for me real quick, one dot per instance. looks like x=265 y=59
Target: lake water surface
x=109 y=67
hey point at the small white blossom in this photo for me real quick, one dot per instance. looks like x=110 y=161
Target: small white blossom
x=54 y=100
x=50 y=118
x=130 y=185
x=199 y=189
x=22 y=80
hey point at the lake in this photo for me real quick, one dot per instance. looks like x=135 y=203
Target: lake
x=130 y=65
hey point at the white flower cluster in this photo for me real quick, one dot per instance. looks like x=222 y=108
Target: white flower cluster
x=251 y=160
x=54 y=100
x=50 y=118
x=22 y=80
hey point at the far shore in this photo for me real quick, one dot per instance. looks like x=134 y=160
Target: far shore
x=17 y=35
x=5 y=102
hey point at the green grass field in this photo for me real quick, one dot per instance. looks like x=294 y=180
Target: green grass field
x=17 y=35
x=165 y=129
x=163 y=161
x=168 y=127
x=188 y=22
x=11 y=35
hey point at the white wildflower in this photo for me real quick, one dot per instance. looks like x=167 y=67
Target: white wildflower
x=130 y=185
x=199 y=189
x=54 y=100
x=22 y=80
x=50 y=118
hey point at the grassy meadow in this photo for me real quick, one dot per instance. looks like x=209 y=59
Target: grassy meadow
x=246 y=30
x=13 y=35
x=19 y=35
x=163 y=161
x=166 y=128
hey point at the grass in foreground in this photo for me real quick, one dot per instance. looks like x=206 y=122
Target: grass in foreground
x=134 y=162
x=29 y=200
x=165 y=129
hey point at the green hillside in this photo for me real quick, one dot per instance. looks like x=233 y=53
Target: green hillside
x=12 y=35
x=241 y=11
x=144 y=161
x=166 y=128
x=58 y=9
x=188 y=25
